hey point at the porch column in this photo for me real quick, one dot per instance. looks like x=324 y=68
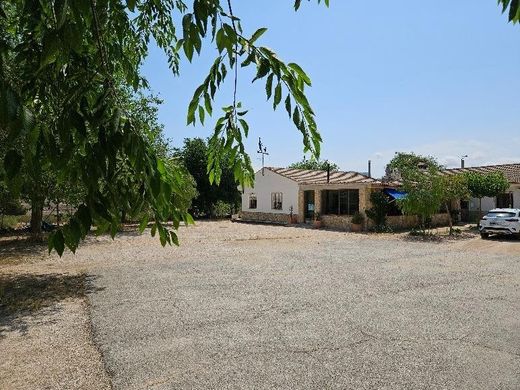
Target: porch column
x=317 y=201
x=364 y=204
x=301 y=206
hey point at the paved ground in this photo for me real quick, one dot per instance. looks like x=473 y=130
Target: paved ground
x=244 y=306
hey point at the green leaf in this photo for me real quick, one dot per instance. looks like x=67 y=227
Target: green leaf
x=299 y=71
x=12 y=163
x=189 y=219
x=277 y=95
x=161 y=167
x=207 y=103
x=143 y=224
x=201 y=114
x=51 y=49
x=245 y=126
x=288 y=107
x=83 y=215
x=174 y=237
x=263 y=69
x=258 y=33
x=59 y=242
x=296 y=117
x=131 y=5
x=269 y=86
x=221 y=40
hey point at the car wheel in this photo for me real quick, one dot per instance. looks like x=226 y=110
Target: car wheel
x=484 y=236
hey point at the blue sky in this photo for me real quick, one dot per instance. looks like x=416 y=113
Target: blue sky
x=439 y=78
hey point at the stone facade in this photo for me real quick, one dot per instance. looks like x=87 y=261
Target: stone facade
x=301 y=206
x=264 y=217
x=410 y=221
x=340 y=222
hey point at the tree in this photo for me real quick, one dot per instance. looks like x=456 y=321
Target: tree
x=379 y=210
x=61 y=67
x=421 y=180
x=194 y=156
x=404 y=164
x=455 y=187
x=486 y=185
x=315 y=164
x=424 y=196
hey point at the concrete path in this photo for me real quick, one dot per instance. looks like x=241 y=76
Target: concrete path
x=257 y=307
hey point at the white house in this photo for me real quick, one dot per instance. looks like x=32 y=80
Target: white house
x=510 y=199
x=272 y=198
x=334 y=196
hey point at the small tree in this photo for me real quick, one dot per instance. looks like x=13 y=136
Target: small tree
x=404 y=165
x=425 y=196
x=313 y=164
x=453 y=188
x=377 y=213
x=486 y=185
x=422 y=182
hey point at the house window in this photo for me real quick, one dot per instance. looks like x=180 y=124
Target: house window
x=252 y=201
x=276 y=200
x=341 y=202
x=505 y=201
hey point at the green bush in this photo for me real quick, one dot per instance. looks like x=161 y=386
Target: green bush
x=8 y=222
x=358 y=218
x=377 y=213
x=221 y=209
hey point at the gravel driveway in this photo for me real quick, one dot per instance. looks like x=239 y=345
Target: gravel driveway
x=245 y=306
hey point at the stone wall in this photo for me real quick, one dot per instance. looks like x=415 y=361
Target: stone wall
x=264 y=217
x=339 y=222
x=344 y=222
x=411 y=221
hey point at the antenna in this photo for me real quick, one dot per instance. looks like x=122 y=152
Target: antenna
x=263 y=151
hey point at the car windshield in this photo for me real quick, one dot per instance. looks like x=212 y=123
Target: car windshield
x=500 y=214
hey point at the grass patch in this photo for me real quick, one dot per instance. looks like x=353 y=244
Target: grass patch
x=8 y=222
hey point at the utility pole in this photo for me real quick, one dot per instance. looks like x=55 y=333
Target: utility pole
x=263 y=151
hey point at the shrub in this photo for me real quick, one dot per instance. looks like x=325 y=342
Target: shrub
x=221 y=209
x=357 y=218
x=377 y=213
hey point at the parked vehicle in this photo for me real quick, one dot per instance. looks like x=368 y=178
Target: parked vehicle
x=500 y=221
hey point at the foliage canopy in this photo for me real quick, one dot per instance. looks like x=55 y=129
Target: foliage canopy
x=65 y=67
x=315 y=164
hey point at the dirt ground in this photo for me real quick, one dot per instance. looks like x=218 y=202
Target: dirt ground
x=45 y=317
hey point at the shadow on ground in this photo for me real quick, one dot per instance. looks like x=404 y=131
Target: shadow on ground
x=23 y=295
x=15 y=247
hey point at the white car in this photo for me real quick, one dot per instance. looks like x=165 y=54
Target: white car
x=500 y=221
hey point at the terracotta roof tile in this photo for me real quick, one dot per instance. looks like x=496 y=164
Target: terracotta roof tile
x=304 y=176
x=511 y=171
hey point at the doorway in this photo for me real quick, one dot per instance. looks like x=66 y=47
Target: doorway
x=308 y=200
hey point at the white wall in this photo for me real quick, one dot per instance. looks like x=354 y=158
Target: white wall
x=516 y=198
x=490 y=203
x=264 y=186
x=487 y=204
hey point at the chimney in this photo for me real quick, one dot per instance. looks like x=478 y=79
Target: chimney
x=369 y=168
x=462 y=160
x=328 y=172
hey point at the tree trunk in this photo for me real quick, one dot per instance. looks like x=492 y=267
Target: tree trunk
x=58 y=213
x=450 y=222
x=36 y=217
